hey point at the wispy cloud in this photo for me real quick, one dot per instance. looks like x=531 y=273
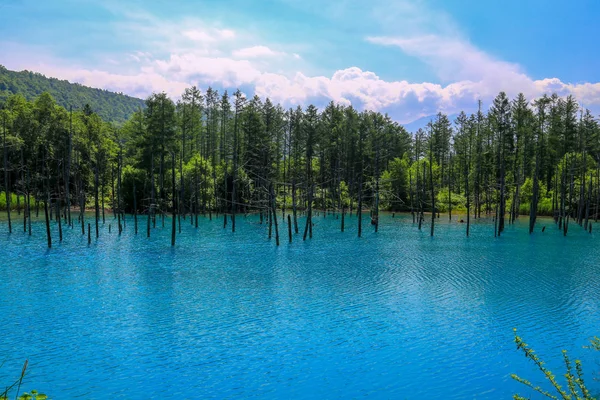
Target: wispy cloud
x=215 y=35
x=170 y=54
x=256 y=51
x=474 y=73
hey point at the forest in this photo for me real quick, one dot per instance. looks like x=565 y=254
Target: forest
x=215 y=153
x=112 y=107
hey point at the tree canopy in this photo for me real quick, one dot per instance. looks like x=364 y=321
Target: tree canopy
x=110 y=106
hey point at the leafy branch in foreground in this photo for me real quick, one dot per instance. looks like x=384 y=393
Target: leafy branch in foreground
x=33 y=395
x=576 y=388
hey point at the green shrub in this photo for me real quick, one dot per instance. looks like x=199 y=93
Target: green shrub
x=13 y=201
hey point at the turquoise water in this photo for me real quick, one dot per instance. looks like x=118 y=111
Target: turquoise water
x=395 y=314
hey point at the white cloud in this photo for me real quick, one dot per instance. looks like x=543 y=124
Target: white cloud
x=192 y=52
x=452 y=58
x=475 y=74
x=256 y=52
x=215 y=35
x=403 y=100
x=191 y=67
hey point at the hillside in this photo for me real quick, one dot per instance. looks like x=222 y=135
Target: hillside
x=109 y=105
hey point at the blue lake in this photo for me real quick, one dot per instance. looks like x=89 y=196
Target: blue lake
x=394 y=314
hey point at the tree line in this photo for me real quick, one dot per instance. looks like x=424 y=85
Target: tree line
x=212 y=153
x=110 y=106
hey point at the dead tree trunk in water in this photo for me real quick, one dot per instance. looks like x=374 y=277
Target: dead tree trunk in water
x=46 y=201
x=238 y=105
x=536 y=185
x=96 y=202
x=68 y=172
x=48 y=234
x=58 y=218
x=431 y=184
x=274 y=215
x=28 y=203
x=196 y=195
x=450 y=187
x=6 y=185
x=359 y=210
x=294 y=210
x=24 y=193
x=174 y=205
x=568 y=215
x=119 y=188
x=135 y=221
x=151 y=212
x=587 y=205
x=308 y=226
x=82 y=206
x=412 y=210
x=467 y=168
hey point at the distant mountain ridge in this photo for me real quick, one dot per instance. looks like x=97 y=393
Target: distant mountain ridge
x=110 y=106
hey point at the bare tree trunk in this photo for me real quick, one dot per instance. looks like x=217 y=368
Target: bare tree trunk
x=196 y=196
x=536 y=188
x=28 y=203
x=135 y=220
x=450 y=187
x=96 y=202
x=294 y=209
x=68 y=174
x=359 y=207
x=308 y=226
x=46 y=201
x=120 y=189
x=431 y=185
x=6 y=183
x=412 y=210
x=274 y=214
x=58 y=217
x=174 y=205
x=151 y=212
x=587 y=205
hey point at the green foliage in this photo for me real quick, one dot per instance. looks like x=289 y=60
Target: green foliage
x=110 y=106
x=394 y=185
x=198 y=174
x=33 y=395
x=595 y=343
x=576 y=388
x=526 y=192
x=458 y=201
x=13 y=201
x=133 y=177
x=333 y=156
x=16 y=386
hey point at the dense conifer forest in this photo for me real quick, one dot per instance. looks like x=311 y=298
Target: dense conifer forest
x=110 y=106
x=216 y=153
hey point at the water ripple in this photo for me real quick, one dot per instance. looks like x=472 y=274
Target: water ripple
x=395 y=314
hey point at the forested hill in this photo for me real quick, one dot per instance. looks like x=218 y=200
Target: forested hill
x=110 y=106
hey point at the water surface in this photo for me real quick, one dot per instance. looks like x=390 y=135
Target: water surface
x=395 y=314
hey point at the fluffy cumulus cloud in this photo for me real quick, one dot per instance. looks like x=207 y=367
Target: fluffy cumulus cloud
x=256 y=52
x=404 y=101
x=472 y=74
x=195 y=53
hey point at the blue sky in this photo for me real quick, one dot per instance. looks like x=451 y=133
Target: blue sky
x=408 y=58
